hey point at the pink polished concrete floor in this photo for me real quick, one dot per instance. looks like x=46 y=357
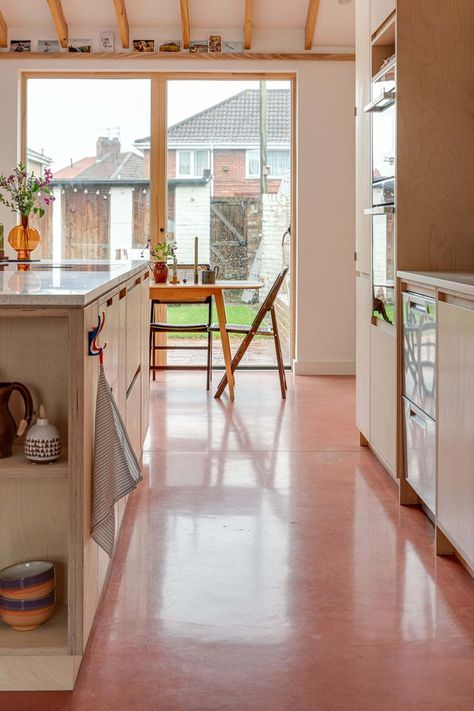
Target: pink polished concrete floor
x=266 y=565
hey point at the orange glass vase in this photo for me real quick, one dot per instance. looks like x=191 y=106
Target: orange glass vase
x=24 y=239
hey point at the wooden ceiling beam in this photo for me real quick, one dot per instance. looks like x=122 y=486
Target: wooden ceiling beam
x=56 y=10
x=3 y=31
x=122 y=21
x=185 y=22
x=248 y=24
x=311 y=17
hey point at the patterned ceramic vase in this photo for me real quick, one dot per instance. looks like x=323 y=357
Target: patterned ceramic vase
x=160 y=272
x=42 y=443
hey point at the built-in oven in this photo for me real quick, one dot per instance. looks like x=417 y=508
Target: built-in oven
x=382 y=109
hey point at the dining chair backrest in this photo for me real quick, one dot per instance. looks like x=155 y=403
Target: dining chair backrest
x=269 y=299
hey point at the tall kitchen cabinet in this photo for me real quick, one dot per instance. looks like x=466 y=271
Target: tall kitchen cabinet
x=430 y=206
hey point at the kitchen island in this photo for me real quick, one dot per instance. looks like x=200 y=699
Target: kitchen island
x=444 y=346
x=46 y=313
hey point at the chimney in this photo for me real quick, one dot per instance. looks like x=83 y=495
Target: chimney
x=105 y=146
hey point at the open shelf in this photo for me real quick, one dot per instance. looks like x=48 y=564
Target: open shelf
x=50 y=638
x=18 y=467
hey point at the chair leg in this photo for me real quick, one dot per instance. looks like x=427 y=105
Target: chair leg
x=279 y=356
x=235 y=361
x=209 y=359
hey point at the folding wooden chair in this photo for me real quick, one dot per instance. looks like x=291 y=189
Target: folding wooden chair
x=255 y=329
x=185 y=271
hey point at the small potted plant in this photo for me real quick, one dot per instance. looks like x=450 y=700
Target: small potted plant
x=25 y=193
x=159 y=255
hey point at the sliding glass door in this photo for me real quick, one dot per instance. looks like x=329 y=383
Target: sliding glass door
x=229 y=184
x=136 y=158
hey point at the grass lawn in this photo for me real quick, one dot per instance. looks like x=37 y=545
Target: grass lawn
x=196 y=313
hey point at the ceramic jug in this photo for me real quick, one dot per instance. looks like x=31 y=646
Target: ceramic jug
x=8 y=427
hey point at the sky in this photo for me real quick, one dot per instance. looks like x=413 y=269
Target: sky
x=66 y=116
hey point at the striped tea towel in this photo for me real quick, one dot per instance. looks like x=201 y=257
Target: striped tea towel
x=116 y=471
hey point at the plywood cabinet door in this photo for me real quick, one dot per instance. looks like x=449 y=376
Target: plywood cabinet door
x=134 y=321
x=383 y=395
x=455 y=505
x=133 y=414
x=363 y=326
x=145 y=297
x=379 y=11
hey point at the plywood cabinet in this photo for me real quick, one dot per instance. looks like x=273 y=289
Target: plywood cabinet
x=383 y=395
x=455 y=504
x=47 y=513
x=363 y=327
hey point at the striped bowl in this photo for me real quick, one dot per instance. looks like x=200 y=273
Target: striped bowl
x=27 y=581
x=25 y=615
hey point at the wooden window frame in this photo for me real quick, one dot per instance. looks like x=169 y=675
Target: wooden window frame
x=158 y=148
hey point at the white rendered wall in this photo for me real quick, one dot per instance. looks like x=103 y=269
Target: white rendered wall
x=193 y=218
x=325 y=312
x=121 y=220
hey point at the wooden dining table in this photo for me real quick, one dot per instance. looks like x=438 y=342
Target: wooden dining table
x=190 y=292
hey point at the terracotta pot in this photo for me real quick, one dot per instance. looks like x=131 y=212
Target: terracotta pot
x=160 y=272
x=24 y=238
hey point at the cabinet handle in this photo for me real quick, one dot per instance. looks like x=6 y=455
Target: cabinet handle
x=381 y=102
x=380 y=210
x=419 y=421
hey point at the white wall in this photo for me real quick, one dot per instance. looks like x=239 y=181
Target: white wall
x=325 y=340
x=193 y=217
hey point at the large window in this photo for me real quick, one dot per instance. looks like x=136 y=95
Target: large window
x=93 y=141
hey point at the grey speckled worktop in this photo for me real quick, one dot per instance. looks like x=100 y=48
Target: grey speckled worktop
x=459 y=282
x=68 y=283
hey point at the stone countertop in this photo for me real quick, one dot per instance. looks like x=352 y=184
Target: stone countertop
x=67 y=283
x=459 y=282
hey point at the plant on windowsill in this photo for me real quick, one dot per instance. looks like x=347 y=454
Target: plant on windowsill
x=159 y=254
x=25 y=193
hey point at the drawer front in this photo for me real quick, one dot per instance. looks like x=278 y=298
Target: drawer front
x=420 y=453
x=419 y=351
x=133 y=414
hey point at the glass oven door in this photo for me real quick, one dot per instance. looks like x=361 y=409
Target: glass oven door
x=383 y=262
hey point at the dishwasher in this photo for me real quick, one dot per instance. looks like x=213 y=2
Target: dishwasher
x=419 y=395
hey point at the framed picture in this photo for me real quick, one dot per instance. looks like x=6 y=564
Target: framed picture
x=198 y=47
x=79 y=45
x=20 y=45
x=215 y=43
x=143 y=45
x=48 y=46
x=232 y=47
x=171 y=46
x=107 y=41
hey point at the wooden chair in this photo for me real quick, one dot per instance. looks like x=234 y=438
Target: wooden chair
x=185 y=271
x=256 y=328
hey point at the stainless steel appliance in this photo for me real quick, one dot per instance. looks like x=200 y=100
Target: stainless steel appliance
x=419 y=394
x=382 y=109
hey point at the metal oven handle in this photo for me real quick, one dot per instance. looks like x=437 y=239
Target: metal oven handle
x=380 y=210
x=381 y=102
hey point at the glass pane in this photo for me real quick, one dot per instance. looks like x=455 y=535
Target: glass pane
x=253 y=163
x=201 y=162
x=240 y=216
x=279 y=163
x=94 y=143
x=184 y=163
